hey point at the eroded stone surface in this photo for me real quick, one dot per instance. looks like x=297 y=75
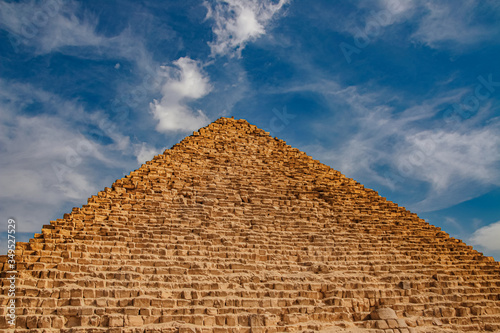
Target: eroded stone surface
x=232 y=230
x=384 y=314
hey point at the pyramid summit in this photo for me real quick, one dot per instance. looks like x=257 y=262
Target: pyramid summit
x=232 y=230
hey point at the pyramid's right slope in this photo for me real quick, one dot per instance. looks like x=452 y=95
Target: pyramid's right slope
x=232 y=230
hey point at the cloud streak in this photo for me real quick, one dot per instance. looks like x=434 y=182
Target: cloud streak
x=445 y=22
x=64 y=26
x=452 y=162
x=48 y=25
x=436 y=24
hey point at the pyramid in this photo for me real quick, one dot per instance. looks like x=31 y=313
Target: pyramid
x=232 y=230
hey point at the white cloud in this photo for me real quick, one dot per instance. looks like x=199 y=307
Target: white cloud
x=184 y=82
x=238 y=22
x=145 y=153
x=63 y=26
x=44 y=163
x=48 y=25
x=458 y=165
x=370 y=21
x=487 y=237
x=447 y=22
x=397 y=7
x=443 y=158
x=436 y=24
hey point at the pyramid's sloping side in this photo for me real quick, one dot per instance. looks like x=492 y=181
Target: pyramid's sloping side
x=234 y=231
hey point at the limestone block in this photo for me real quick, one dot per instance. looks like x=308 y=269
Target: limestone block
x=94 y=321
x=73 y=321
x=437 y=322
x=115 y=321
x=402 y=323
x=231 y=320
x=383 y=314
x=209 y=321
x=405 y=285
x=57 y=322
x=256 y=320
x=392 y=323
x=382 y=324
x=141 y=302
x=133 y=321
x=44 y=322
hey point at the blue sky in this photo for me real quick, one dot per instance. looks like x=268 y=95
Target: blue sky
x=401 y=95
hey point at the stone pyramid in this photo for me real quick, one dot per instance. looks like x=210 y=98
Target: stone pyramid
x=232 y=230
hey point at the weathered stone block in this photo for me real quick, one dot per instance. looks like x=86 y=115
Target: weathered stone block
x=209 y=321
x=392 y=323
x=57 y=322
x=382 y=324
x=115 y=321
x=383 y=314
x=133 y=321
x=141 y=302
x=256 y=320
x=231 y=320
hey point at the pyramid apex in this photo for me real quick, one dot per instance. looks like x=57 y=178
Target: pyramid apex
x=226 y=127
x=224 y=122
x=230 y=120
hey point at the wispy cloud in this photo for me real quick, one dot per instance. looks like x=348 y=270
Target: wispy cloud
x=48 y=25
x=64 y=26
x=452 y=162
x=42 y=167
x=46 y=161
x=444 y=22
x=383 y=14
x=437 y=24
x=397 y=7
x=237 y=22
x=185 y=81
